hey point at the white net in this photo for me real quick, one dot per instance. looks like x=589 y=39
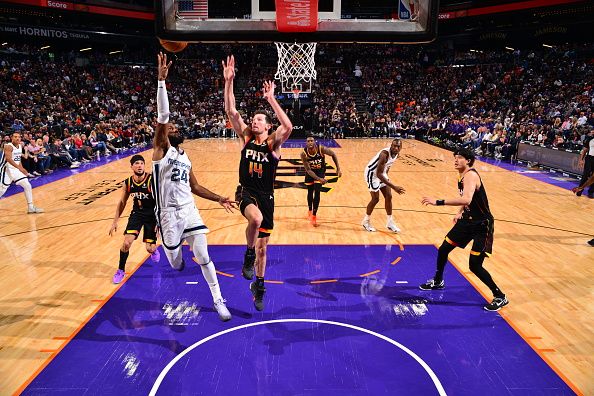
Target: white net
x=296 y=66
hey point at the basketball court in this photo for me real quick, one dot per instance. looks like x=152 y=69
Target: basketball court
x=344 y=314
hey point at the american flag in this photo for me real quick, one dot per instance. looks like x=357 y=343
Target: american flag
x=193 y=8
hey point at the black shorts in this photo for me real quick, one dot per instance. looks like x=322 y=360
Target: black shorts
x=310 y=181
x=148 y=221
x=264 y=202
x=479 y=231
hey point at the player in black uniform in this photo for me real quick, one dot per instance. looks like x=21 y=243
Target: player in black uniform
x=138 y=186
x=257 y=171
x=314 y=161
x=474 y=221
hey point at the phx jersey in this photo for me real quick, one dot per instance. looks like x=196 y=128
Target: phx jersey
x=143 y=212
x=478 y=209
x=317 y=163
x=142 y=194
x=476 y=224
x=257 y=171
x=257 y=168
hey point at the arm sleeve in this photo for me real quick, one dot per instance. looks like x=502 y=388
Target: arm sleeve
x=162 y=103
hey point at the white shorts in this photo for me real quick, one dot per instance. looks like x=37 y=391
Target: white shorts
x=373 y=182
x=175 y=224
x=10 y=174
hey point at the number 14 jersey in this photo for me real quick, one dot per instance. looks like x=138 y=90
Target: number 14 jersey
x=257 y=167
x=171 y=180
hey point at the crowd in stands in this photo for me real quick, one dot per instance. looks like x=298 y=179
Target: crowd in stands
x=72 y=108
x=489 y=100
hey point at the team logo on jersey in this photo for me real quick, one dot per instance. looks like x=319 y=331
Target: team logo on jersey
x=316 y=164
x=257 y=156
x=140 y=195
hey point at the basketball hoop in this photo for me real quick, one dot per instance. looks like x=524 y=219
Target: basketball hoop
x=296 y=67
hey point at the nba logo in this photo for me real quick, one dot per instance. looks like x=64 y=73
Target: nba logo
x=403 y=9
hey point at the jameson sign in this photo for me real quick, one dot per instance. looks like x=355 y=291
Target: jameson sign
x=65 y=34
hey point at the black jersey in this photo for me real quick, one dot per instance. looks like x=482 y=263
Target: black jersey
x=257 y=167
x=479 y=206
x=317 y=161
x=142 y=194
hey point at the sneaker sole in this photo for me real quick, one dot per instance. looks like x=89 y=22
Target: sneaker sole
x=434 y=288
x=495 y=310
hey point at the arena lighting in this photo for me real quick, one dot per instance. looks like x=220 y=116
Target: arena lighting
x=84 y=49
x=548 y=46
x=44 y=47
x=4 y=43
x=509 y=48
x=115 y=52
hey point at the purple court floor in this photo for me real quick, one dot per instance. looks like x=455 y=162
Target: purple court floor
x=339 y=320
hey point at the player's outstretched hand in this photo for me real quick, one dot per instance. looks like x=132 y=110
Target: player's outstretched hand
x=229 y=68
x=268 y=90
x=399 y=190
x=228 y=204
x=162 y=66
x=428 y=201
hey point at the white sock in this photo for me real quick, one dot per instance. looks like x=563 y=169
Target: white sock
x=210 y=274
x=390 y=219
x=28 y=191
x=366 y=218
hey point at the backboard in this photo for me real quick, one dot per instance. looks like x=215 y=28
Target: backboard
x=350 y=21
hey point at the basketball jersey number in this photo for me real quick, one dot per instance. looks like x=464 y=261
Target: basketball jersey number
x=176 y=175
x=256 y=167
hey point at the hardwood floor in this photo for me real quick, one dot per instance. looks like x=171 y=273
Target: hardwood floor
x=57 y=266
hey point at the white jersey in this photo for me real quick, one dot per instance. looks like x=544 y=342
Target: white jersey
x=8 y=173
x=372 y=165
x=171 y=178
x=374 y=183
x=17 y=153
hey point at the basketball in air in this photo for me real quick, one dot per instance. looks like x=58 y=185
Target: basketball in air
x=173 y=46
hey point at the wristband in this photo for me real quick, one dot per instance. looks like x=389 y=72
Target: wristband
x=440 y=202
